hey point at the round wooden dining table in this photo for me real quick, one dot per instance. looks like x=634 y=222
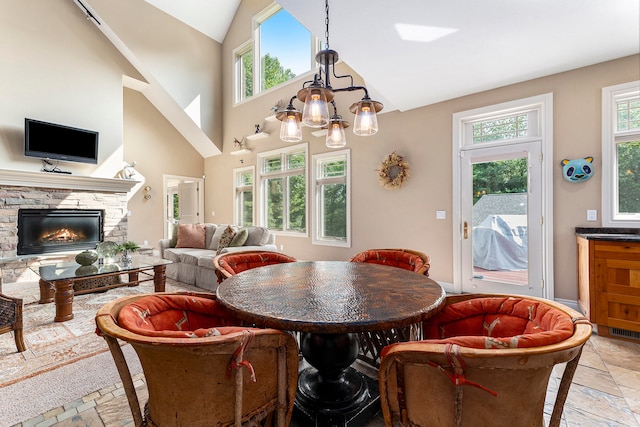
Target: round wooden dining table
x=328 y=302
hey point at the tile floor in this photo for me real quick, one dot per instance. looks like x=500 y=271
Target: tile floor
x=605 y=392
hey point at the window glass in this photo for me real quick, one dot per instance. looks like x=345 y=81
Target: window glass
x=621 y=155
x=280 y=50
x=283 y=183
x=500 y=129
x=243 y=206
x=331 y=199
x=285 y=49
x=628 y=154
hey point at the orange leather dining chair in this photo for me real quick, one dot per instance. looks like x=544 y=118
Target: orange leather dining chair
x=402 y=258
x=201 y=365
x=232 y=263
x=485 y=361
x=372 y=343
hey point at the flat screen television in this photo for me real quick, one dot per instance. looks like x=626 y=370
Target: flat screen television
x=59 y=142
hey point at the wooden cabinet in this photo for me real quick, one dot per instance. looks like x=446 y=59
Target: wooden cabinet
x=609 y=285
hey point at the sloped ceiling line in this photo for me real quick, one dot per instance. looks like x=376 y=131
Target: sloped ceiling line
x=157 y=95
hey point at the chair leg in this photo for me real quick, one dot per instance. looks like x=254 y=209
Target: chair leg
x=19 y=340
x=563 y=390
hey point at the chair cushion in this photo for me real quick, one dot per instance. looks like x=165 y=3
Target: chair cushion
x=191 y=236
x=393 y=258
x=177 y=316
x=499 y=322
x=239 y=262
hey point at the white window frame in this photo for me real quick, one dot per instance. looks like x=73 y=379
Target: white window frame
x=317 y=183
x=254 y=45
x=238 y=190
x=238 y=71
x=262 y=176
x=610 y=136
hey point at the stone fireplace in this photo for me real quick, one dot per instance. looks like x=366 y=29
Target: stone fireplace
x=46 y=192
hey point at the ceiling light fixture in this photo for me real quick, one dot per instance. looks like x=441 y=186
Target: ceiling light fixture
x=317 y=93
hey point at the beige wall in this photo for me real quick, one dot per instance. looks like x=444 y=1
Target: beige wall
x=406 y=217
x=184 y=61
x=56 y=66
x=158 y=149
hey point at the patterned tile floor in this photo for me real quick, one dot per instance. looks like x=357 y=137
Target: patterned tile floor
x=605 y=392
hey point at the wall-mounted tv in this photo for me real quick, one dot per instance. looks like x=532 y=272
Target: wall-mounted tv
x=59 y=142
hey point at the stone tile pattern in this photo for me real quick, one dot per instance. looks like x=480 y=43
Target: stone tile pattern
x=16 y=269
x=605 y=392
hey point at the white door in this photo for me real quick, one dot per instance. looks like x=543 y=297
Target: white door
x=188 y=202
x=503 y=198
x=184 y=201
x=501 y=219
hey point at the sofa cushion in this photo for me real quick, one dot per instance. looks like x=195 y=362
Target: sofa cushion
x=240 y=237
x=215 y=239
x=173 y=254
x=257 y=236
x=191 y=236
x=209 y=230
x=226 y=238
x=192 y=256
x=174 y=236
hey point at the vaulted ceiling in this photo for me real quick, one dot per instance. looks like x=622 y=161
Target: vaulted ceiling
x=413 y=53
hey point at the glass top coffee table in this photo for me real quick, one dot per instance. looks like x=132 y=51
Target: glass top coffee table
x=59 y=282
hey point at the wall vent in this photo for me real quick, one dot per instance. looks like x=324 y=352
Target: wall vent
x=623 y=333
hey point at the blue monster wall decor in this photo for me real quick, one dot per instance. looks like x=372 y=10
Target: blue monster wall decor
x=577 y=170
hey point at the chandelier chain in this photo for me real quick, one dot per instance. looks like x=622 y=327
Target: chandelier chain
x=326 y=22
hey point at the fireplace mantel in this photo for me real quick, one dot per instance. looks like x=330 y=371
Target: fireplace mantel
x=60 y=180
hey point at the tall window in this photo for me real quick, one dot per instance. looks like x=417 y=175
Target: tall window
x=621 y=155
x=243 y=188
x=281 y=49
x=283 y=189
x=244 y=71
x=331 y=199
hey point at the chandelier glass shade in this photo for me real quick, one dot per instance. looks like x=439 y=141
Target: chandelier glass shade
x=316 y=94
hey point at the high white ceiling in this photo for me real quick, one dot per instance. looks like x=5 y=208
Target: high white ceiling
x=413 y=53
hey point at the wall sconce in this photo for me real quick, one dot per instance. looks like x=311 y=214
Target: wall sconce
x=147 y=192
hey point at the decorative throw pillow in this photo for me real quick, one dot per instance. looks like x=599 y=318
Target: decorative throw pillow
x=258 y=236
x=226 y=239
x=215 y=239
x=240 y=237
x=191 y=236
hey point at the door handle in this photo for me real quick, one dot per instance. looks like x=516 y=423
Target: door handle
x=465 y=232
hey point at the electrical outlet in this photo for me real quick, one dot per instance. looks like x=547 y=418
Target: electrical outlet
x=441 y=215
x=592 y=215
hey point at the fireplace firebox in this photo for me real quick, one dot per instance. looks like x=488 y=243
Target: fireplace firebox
x=43 y=231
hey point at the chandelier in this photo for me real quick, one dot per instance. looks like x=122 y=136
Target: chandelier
x=318 y=93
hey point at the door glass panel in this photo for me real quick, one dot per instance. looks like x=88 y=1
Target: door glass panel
x=499 y=233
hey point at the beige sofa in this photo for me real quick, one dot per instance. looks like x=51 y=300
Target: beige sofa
x=194 y=266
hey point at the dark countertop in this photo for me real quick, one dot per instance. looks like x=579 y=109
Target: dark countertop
x=613 y=234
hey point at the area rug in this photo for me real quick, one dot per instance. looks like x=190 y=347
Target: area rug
x=52 y=344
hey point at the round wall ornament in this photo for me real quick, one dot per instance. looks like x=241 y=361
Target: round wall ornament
x=393 y=171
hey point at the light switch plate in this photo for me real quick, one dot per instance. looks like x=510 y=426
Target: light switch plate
x=592 y=215
x=441 y=215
